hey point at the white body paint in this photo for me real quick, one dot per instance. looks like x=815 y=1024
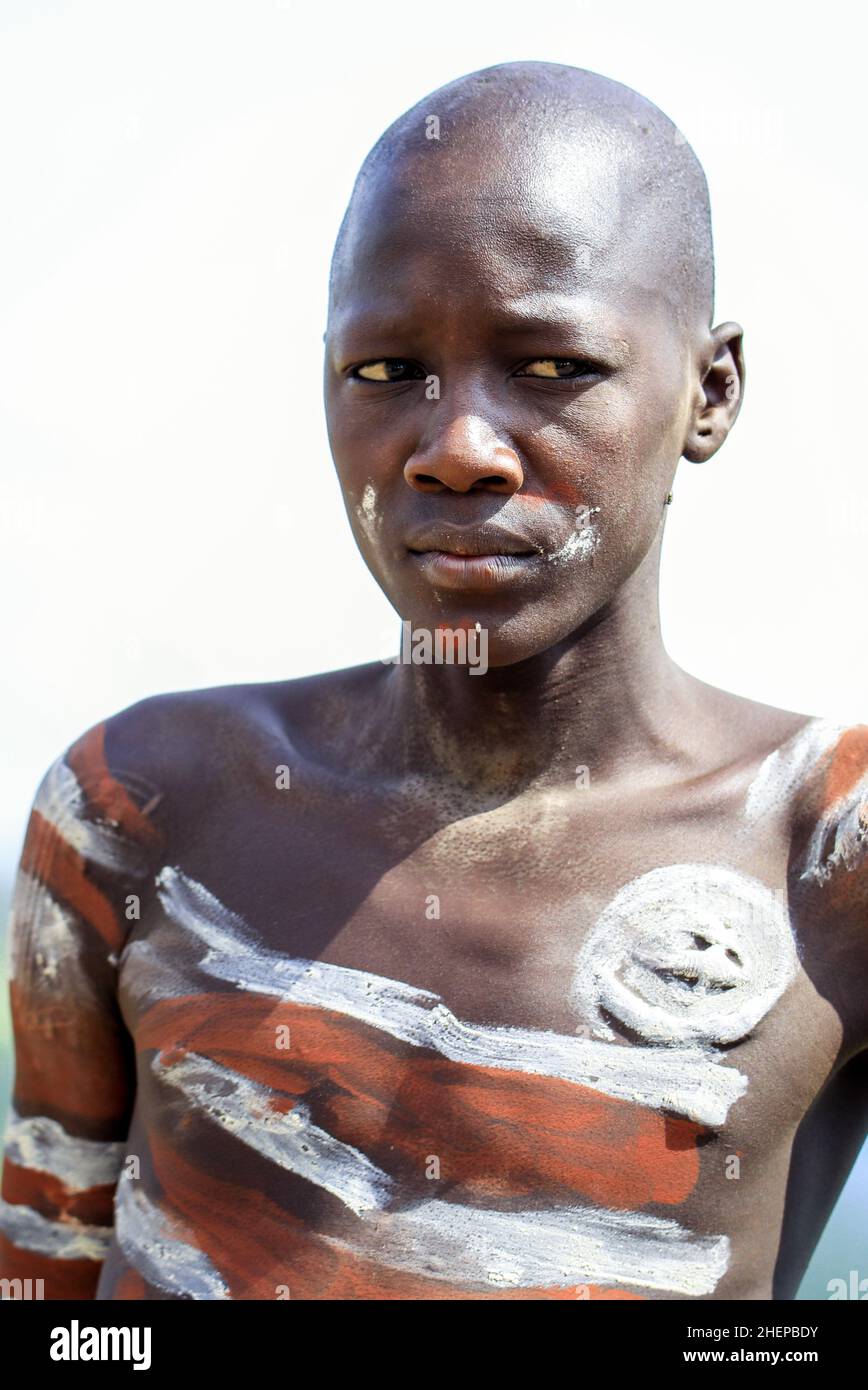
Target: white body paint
x=784 y=771
x=554 y=1248
x=582 y=541
x=366 y=511
x=643 y=965
x=444 y=1240
x=61 y=801
x=45 y=945
x=288 y=1139
x=840 y=837
x=683 y=1080
x=690 y=953
x=154 y=1244
x=44 y=1145
x=60 y=1240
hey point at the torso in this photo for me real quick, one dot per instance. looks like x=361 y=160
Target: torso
x=395 y=1051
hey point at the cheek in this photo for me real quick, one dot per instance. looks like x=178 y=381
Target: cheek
x=617 y=451
x=367 y=513
x=607 y=471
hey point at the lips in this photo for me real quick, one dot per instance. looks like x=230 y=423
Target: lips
x=472 y=557
x=484 y=539
x=449 y=571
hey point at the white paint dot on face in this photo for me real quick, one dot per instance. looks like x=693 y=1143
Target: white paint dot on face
x=367 y=513
x=686 y=953
x=582 y=541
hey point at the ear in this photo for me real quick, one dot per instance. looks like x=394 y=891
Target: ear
x=718 y=396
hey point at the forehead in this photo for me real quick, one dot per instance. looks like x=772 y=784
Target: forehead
x=528 y=231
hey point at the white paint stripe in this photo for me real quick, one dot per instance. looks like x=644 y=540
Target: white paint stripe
x=555 y=1247
x=45 y=947
x=288 y=1139
x=61 y=800
x=541 y=1249
x=684 y=1080
x=840 y=838
x=60 y=1240
x=44 y=1145
x=151 y=1242
x=784 y=771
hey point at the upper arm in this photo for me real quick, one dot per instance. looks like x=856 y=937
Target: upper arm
x=829 y=873
x=89 y=848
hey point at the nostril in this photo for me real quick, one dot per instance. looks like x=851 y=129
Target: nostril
x=495 y=483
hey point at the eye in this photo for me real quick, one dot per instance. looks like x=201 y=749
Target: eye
x=557 y=368
x=389 y=369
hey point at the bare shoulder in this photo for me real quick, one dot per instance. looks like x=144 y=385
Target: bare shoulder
x=752 y=740
x=188 y=745
x=818 y=779
x=818 y=782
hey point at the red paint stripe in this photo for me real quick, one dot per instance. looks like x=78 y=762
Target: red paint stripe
x=74 y=1279
x=494 y=1132
x=847 y=891
x=848 y=766
x=49 y=1196
x=259 y=1248
x=69 y=1063
x=105 y=794
x=63 y=871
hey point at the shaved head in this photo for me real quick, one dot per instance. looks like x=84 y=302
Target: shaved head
x=582 y=143
x=519 y=334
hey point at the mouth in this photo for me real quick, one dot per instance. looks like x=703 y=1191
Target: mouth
x=451 y=569
x=483 y=557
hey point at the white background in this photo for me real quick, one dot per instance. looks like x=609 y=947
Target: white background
x=172 y=176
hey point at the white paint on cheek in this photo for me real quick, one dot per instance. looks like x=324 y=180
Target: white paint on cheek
x=687 y=953
x=366 y=511
x=43 y=1145
x=153 y=1244
x=582 y=541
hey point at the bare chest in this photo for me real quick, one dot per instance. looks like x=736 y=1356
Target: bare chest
x=506 y=1053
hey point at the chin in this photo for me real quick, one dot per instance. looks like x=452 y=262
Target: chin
x=501 y=640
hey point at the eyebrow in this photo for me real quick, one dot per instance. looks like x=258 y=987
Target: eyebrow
x=545 y=310
x=538 y=314
x=534 y=325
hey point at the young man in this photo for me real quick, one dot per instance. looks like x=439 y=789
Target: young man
x=537 y=976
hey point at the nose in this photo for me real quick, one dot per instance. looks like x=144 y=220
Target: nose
x=464 y=455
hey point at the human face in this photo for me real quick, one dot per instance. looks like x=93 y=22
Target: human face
x=507 y=395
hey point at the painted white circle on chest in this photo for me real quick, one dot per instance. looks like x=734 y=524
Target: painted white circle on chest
x=689 y=952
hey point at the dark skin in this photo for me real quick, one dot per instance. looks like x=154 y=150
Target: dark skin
x=409 y=781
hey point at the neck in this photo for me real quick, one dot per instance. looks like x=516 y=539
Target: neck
x=608 y=697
